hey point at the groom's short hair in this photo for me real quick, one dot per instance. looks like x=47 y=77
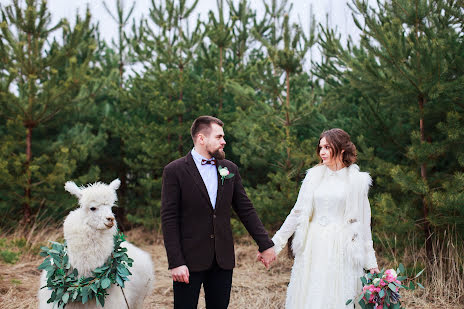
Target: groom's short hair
x=203 y=125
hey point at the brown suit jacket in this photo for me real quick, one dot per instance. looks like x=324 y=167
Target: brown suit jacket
x=193 y=231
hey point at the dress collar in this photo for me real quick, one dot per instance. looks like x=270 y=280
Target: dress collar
x=335 y=173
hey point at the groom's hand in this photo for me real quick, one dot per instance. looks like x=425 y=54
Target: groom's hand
x=268 y=256
x=180 y=274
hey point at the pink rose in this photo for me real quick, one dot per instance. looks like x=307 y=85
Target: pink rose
x=390 y=275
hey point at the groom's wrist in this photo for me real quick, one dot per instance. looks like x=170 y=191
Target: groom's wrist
x=265 y=246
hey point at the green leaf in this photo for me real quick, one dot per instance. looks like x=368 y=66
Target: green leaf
x=105 y=283
x=119 y=281
x=85 y=294
x=364 y=281
x=65 y=298
x=392 y=287
x=362 y=304
x=75 y=294
x=44 y=264
x=420 y=273
x=401 y=268
x=99 y=300
x=420 y=285
x=368 y=294
x=94 y=288
x=123 y=271
x=381 y=293
x=348 y=302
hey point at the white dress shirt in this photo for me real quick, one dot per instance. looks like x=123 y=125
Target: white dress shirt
x=209 y=175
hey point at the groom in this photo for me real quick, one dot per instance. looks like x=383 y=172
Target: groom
x=195 y=214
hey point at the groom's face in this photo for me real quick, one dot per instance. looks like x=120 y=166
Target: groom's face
x=215 y=142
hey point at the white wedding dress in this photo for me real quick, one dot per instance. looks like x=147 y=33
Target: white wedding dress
x=321 y=277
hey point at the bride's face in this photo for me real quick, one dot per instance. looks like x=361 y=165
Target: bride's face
x=325 y=152
x=327 y=155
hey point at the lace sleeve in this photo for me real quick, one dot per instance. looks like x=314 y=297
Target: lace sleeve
x=370 y=259
x=286 y=230
x=289 y=226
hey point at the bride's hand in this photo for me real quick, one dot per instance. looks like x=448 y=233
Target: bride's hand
x=374 y=270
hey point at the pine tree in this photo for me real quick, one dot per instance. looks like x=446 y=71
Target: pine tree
x=220 y=33
x=118 y=57
x=121 y=20
x=41 y=79
x=273 y=133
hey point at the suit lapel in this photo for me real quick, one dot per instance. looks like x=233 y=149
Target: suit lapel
x=220 y=187
x=193 y=171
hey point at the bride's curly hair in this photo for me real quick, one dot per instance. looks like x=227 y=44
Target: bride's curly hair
x=339 y=140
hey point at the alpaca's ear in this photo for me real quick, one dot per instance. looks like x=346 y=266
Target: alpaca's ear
x=72 y=188
x=115 y=184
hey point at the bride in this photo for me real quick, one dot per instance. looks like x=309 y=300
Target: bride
x=331 y=226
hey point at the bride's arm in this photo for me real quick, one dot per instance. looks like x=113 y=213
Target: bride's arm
x=286 y=230
x=370 y=260
x=289 y=226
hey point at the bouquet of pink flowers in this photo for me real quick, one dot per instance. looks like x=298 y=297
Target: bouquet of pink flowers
x=381 y=291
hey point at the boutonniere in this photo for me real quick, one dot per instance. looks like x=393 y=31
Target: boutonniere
x=225 y=174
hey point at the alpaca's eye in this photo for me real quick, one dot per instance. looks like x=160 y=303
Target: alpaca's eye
x=92 y=208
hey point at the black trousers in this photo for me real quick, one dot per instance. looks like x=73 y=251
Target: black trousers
x=217 y=283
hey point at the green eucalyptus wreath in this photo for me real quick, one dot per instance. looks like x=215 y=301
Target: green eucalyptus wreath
x=67 y=287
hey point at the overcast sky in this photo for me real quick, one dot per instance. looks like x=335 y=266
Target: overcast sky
x=337 y=12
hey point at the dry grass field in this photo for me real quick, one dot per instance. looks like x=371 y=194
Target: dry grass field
x=253 y=285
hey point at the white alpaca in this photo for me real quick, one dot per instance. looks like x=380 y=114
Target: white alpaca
x=88 y=232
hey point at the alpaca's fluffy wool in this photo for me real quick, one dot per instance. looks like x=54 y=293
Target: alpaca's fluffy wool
x=88 y=232
x=88 y=248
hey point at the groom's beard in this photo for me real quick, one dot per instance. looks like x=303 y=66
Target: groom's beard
x=218 y=154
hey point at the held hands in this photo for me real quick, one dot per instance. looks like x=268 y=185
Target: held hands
x=267 y=257
x=180 y=274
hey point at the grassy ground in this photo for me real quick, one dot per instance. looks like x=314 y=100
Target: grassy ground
x=253 y=285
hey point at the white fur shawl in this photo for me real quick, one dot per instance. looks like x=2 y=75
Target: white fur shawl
x=354 y=220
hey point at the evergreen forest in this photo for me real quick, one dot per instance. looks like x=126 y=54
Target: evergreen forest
x=76 y=106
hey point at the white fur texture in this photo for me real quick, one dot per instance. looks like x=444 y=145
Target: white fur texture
x=88 y=232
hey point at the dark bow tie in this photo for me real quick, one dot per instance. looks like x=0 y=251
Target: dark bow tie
x=210 y=161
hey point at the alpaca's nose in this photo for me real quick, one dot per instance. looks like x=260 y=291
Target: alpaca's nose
x=110 y=219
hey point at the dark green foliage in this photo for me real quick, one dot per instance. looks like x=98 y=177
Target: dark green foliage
x=45 y=89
